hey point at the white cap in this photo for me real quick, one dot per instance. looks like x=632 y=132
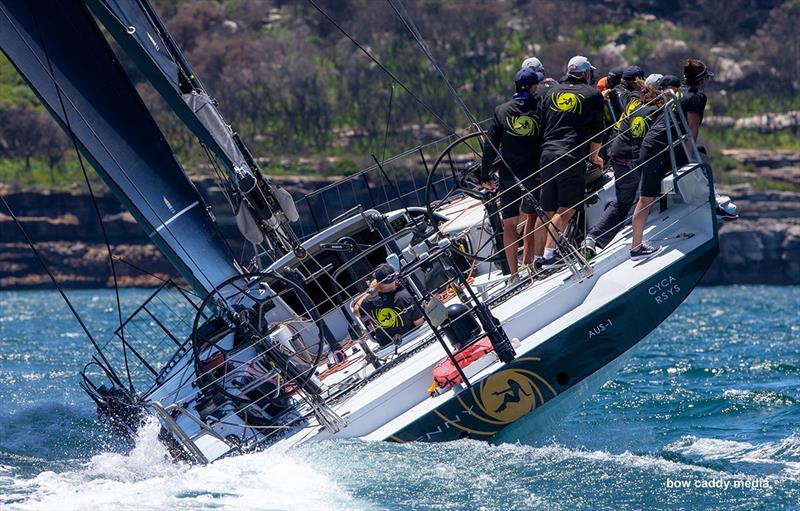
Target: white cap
x=653 y=79
x=534 y=63
x=578 y=65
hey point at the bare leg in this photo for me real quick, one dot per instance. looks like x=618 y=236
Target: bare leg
x=640 y=220
x=528 y=237
x=560 y=221
x=510 y=240
x=539 y=237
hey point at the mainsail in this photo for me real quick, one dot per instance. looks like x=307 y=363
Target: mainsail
x=137 y=28
x=57 y=47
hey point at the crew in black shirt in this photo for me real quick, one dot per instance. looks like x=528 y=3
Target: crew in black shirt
x=624 y=151
x=611 y=95
x=390 y=307
x=516 y=131
x=628 y=92
x=572 y=119
x=654 y=159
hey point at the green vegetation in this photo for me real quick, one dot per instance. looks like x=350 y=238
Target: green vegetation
x=14 y=92
x=766 y=183
x=751 y=139
x=295 y=88
x=40 y=174
x=746 y=103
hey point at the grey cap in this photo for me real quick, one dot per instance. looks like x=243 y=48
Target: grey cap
x=578 y=65
x=653 y=78
x=534 y=63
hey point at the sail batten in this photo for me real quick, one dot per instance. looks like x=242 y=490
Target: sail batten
x=91 y=97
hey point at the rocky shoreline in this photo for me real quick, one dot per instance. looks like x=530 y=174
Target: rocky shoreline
x=762 y=247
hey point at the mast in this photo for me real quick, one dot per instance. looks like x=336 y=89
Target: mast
x=263 y=210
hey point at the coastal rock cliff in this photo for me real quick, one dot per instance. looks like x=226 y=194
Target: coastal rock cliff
x=762 y=247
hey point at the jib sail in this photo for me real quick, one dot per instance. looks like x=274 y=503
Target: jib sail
x=60 y=51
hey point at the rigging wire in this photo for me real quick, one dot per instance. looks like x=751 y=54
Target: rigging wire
x=383 y=68
x=96 y=206
x=402 y=13
x=167 y=228
x=60 y=290
x=388 y=120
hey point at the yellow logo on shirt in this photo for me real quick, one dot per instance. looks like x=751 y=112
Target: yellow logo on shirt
x=638 y=126
x=567 y=102
x=387 y=317
x=628 y=111
x=521 y=126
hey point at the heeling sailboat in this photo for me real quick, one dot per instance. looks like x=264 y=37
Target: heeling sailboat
x=279 y=356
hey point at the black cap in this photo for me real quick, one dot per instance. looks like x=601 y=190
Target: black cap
x=633 y=73
x=668 y=81
x=384 y=273
x=526 y=78
x=615 y=72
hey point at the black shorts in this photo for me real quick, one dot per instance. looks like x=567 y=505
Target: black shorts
x=512 y=198
x=655 y=163
x=654 y=167
x=563 y=181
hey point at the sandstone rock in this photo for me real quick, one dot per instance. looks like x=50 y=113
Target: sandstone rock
x=763 y=247
x=765 y=123
x=230 y=26
x=668 y=49
x=609 y=56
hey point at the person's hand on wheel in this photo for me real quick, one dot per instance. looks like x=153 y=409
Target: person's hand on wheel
x=489 y=185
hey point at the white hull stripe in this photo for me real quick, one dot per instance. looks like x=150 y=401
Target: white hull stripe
x=176 y=215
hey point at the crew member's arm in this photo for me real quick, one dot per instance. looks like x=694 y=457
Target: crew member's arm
x=358 y=301
x=494 y=136
x=414 y=312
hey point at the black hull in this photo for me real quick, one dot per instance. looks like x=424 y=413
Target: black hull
x=550 y=369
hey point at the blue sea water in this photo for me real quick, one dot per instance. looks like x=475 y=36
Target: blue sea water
x=705 y=416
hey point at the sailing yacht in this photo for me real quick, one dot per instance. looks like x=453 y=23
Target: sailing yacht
x=270 y=352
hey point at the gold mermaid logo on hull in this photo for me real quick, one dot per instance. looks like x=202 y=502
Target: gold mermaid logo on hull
x=507 y=395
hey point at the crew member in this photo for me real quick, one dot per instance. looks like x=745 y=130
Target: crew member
x=572 y=119
x=624 y=151
x=516 y=133
x=614 y=76
x=389 y=306
x=545 y=82
x=533 y=63
x=655 y=160
x=610 y=80
x=653 y=79
x=612 y=109
x=671 y=82
x=629 y=90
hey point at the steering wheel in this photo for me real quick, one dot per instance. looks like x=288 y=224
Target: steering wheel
x=239 y=306
x=459 y=181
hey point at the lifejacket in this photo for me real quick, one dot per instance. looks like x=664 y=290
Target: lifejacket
x=445 y=374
